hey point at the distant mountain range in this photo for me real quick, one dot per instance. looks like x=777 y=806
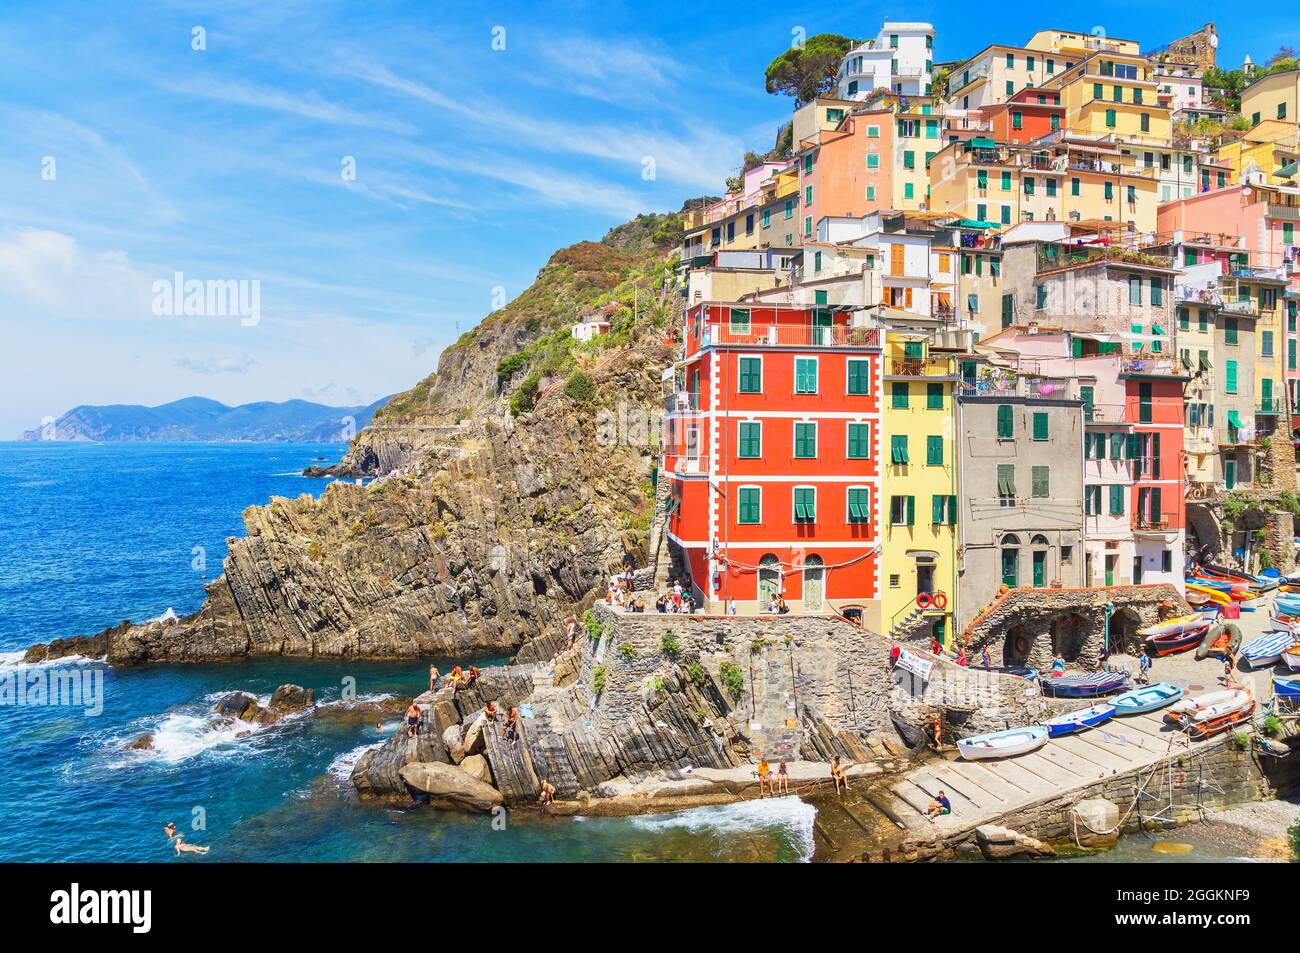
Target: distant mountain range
x=198 y=419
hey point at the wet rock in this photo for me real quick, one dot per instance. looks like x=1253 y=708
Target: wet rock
x=450 y=788
x=377 y=773
x=142 y=743
x=239 y=705
x=1002 y=843
x=292 y=698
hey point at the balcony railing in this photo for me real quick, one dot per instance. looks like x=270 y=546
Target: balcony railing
x=1068 y=256
x=1151 y=523
x=790 y=335
x=692 y=466
x=1031 y=389
x=1271 y=406
x=681 y=402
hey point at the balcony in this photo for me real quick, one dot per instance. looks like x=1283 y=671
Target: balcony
x=1059 y=257
x=1034 y=388
x=691 y=466
x=1271 y=407
x=1147 y=523
x=1153 y=366
x=681 y=402
x=790 y=335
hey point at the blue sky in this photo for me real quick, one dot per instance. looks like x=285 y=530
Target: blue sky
x=472 y=164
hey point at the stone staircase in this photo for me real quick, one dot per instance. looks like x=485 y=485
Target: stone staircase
x=908 y=625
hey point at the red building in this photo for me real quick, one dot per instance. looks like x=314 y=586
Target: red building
x=772 y=444
x=1153 y=393
x=1027 y=115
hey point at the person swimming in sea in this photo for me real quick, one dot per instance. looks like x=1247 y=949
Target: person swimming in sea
x=184 y=848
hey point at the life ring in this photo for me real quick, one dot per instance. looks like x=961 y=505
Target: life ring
x=923 y=600
x=940 y=601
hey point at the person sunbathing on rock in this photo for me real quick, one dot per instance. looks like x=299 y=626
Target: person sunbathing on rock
x=471 y=677
x=510 y=730
x=547 y=794
x=490 y=711
x=837 y=775
x=940 y=805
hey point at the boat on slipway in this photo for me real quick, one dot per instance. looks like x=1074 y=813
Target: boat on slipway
x=1208 y=715
x=1084 y=686
x=1076 y=721
x=1003 y=744
x=1139 y=701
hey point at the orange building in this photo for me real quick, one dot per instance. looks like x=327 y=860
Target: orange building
x=846 y=171
x=1028 y=114
x=772 y=445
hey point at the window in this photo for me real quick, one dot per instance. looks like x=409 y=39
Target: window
x=1144 y=403
x=1005 y=422
x=859 y=441
x=934 y=451
x=1157 y=292
x=1040 y=297
x=1281 y=110
x=898 y=449
x=807 y=195
x=1108 y=191
x=1135 y=290
x=1029 y=185
x=767 y=217
x=1266 y=343
x=1006 y=181
x=1029 y=63
x=902 y=510
x=789 y=207
x=738 y=321
x=1051 y=187
x=1006 y=484
x=1017 y=119
x=751 y=375
x=943 y=510
x=750 y=440
x=909 y=159
x=909 y=191
x=1110 y=119
x=808 y=159
x=805 y=504
x=873 y=160
x=1074 y=186
x=1008 y=307
x=858 y=508
x=1040 y=425
x=1116 y=499
x=1167 y=560
x=805 y=375
x=1038 y=487
x=1184 y=319
x=817 y=262
x=898 y=395
x=749 y=503
x=807 y=225
x=934 y=397
x=1230 y=331
x=859 y=371
x=1092 y=500
x=1011 y=61
x=1230 y=377
x=805 y=441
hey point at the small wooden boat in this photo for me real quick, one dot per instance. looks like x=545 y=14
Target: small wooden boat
x=1286 y=686
x=1084 y=686
x=1077 y=721
x=1003 y=744
x=1211 y=714
x=1029 y=674
x=1291 y=658
x=1177 y=641
x=1266 y=649
x=1215 y=596
x=1145 y=699
x=1173 y=626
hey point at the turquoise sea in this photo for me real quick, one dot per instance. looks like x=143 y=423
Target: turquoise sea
x=91 y=534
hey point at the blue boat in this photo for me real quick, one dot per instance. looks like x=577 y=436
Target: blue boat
x=1084 y=686
x=1145 y=699
x=1286 y=686
x=1077 y=721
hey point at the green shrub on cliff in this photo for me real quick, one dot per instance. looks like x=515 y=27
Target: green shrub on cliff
x=580 y=387
x=1293 y=832
x=733 y=678
x=592 y=624
x=627 y=650
x=668 y=644
x=598 y=676
x=525 y=398
x=509 y=365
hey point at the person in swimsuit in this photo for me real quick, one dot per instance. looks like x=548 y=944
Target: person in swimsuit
x=837 y=775
x=184 y=848
x=170 y=829
x=413 y=720
x=764 y=776
x=783 y=778
x=510 y=730
x=433 y=678
x=547 y=793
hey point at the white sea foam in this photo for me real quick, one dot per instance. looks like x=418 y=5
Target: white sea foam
x=340 y=768
x=168 y=616
x=745 y=816
x=15 y=660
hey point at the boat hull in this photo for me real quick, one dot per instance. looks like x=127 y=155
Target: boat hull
x=1178 y=641
x=1083 y=686
x=1139 y=701
x=1077 y=721
x=1286 y=686
x=1002 y=744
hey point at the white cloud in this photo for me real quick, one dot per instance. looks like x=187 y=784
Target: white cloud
x=47 y=273
x=216 y=365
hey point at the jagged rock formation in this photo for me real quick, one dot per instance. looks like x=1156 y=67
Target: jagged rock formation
x=506 y=512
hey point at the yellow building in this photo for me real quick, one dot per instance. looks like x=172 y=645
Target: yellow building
x=918 y=488
x=1270 y=146
x=1256 y=293
x=1065 y=181
x=1275 y=96
x=1113 y=95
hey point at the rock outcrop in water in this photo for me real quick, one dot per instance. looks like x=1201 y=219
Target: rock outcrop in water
x=498 y=511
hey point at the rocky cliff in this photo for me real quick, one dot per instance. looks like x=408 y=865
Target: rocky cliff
x=505 y=496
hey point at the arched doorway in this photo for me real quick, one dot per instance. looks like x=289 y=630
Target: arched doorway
x=813 y=578
x=1069 y=635
x=1038 y=560
x=1017 y=647
x=769 y=580
x=1011 y=560
x=1124 y=624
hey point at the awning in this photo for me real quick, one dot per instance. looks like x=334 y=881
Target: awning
x=981 y=142
x=945 y=300
x=1234 y=419
x=1287 y=171
x=1205 y=362
x=1157 y=329
x=974 y=223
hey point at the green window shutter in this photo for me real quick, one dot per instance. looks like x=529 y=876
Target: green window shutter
x=738 y=321
x=805 y=505
x=805 y=375
x=1144 y=403
x=805 y=441
x=934 y=451
x=1086 y=393
x=1005 y=421
x=898 y=395
x=1266 y=343
x=1230 y=372
x=1039 y=482
x=1006 y=181
x=751 y=439
x=1116 y=500
x=898 y=449
x=1135 y=291
x=911 y=511
x=934 y=396
x=1157 y=291
x=751 y=375
x=937 y=504
x=1132 y=446
x=859 y=511
x=1230 y=330
x=952 y=511
x=1006 y=479
x=1008 y=304
x=914 y=350
x=859 y=377
x=1116 y=446
x=750 y=508
x=982 y=178
x=1108 y=190
x=1291 y=354
x=859 y=441
x=1040 y=426
x=1110 y=119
